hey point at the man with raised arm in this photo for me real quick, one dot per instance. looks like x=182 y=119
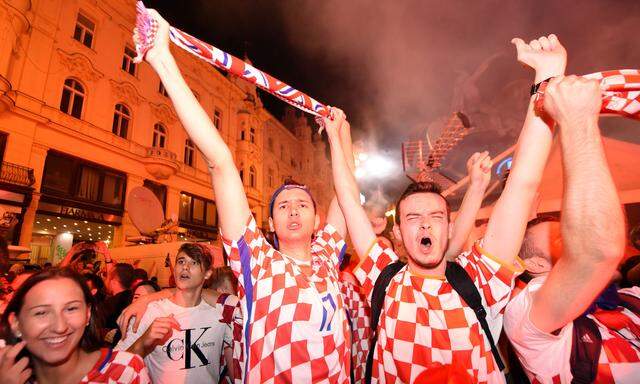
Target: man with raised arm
x=425 y=328
x=295 y=326
x=574 y=260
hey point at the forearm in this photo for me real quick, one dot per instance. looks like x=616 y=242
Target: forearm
x=335 y=216
x=232 y=204
x=465 y=219
x=507 y=224
x=592 y=222
x=138 y=348
x=348 y=195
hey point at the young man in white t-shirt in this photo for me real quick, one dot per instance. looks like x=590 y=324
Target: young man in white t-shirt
x=182 y=338
x=574 y=260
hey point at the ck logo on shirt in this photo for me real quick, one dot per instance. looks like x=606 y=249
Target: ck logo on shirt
x=328 y=309
x=187 y=348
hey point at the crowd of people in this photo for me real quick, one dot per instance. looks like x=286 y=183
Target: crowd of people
x=535 y=299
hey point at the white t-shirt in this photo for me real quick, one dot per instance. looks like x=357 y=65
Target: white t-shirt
x=191 y=355
x=545 y=357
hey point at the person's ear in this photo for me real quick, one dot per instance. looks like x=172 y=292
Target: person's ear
x=316 y=223
x=396 y=232
x=537 y=265
x=271 y=227
x=14 y=324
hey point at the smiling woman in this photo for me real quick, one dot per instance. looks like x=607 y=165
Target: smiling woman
x=52 y=333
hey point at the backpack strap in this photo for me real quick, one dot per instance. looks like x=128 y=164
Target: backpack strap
x=585 y=350
x=630 y=302
x=462 y=283
x=377 y=302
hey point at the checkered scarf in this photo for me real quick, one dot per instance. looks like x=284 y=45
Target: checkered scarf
x=620 y=92
x=144 y=37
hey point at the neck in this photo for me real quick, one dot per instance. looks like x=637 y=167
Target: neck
x=60 y=373
x=187 y=297
x=437 y=270
x=299 y=250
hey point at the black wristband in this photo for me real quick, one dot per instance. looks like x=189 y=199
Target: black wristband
x=535 y=87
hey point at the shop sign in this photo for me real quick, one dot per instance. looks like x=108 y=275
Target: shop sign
x=78 y=213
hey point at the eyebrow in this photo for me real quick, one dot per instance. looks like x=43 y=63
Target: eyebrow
x=289 y=201
x=49 y=305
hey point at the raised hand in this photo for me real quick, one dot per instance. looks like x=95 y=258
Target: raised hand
x=12 y=371
x=545 y=55
x=334 y=122
x=159 y=332
x=479 y=168
x=573 y=99
x=161 y=44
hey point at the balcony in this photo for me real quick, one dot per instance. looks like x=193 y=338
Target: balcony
x=16 y=174
x=161 y=163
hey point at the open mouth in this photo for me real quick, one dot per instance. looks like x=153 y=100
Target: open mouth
x=425 y=244
x=293 y=226
x=184 y=276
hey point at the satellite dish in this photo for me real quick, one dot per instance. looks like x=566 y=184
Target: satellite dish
x=145 y=210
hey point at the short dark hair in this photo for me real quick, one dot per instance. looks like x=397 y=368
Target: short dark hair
x=90 y=340
x=420 y=187
x=528 y=249
x=150 y=283
x=222 y=274
x=124 y=273
x=199 y=253
x=140 y=274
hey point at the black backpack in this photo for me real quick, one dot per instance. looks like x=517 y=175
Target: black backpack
x=461 y=283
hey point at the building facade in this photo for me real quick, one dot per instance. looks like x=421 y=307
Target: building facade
x=81 y=125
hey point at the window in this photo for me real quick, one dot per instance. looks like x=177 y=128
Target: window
x=127 y=60
x=270 y=177
x=162 y=90
x=189 y=152
x=121 y=119
x=252 y=135
x=242 y=134
x=217 y=118
x=270 y=144
x=70 y=177
x=241 y=172
x=159 y=136
x=252 y=176
x=196 y=210
x=84 y=31
x=159 y=190
x=72 y=98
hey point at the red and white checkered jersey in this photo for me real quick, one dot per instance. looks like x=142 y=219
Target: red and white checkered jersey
x=545 y=357
x=231 y=314
x=359 y=318
x=425 y=324
x=295 y=324
x=118 y=367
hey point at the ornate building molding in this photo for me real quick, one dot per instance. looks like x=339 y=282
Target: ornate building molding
x=163 y=113
x=126 y=91
x=79 y=65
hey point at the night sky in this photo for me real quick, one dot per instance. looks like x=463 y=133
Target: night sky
x=400 y=67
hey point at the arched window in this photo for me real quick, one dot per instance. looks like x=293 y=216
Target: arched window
x=121 y=119
x=189 y=152
x=159 y=136
x=72 y=98
x=252 y=135
x=252 y=176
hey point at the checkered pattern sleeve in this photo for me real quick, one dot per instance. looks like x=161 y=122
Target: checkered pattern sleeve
x=359 y=320
x=494 y=278
x=378 y=257
x=332 y=244
x=247 y=253
x=121 y=368
x=231 y=314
